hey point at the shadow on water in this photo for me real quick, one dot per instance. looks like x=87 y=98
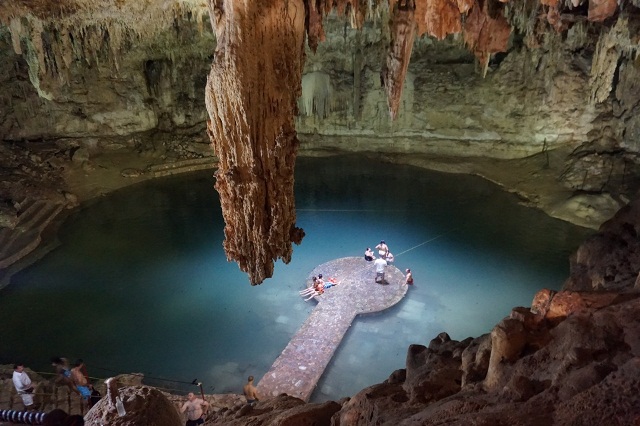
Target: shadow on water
x=141 y=282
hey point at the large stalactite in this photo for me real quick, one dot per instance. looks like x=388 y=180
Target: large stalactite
x=403 y=31
x=251 y=97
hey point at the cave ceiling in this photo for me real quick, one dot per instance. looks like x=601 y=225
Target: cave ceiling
x=251 y=120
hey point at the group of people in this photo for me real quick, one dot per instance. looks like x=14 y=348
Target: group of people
x=318 y=286
x=196 y=408
x=76 y=379
x=383 y=251
x=386 y=257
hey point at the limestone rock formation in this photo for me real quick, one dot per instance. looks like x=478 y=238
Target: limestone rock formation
x=610 y=260
x=251 y=128
x=144 y=405
x=282 y=410
x=403 y=31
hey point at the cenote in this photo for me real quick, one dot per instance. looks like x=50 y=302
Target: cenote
x=140 y=282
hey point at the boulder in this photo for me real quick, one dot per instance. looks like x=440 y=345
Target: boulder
x=144 y=405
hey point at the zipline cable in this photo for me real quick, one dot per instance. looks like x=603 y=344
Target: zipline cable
x=143 y=375
x=428 y=241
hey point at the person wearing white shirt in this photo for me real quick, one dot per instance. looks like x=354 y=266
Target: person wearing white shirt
x=380 y=265
x=23 y=385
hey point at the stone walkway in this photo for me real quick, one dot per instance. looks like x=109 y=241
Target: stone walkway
x=297 y=370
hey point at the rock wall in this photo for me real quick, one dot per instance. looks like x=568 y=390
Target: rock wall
x=530 y=100
x=158 y=84
x=535 y=97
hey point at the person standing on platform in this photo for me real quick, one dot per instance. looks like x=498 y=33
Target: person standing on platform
x=380 y=265
x=382 y=248
x=250 y=391
x=22 y=383
x=61 y=366
x=80 y=380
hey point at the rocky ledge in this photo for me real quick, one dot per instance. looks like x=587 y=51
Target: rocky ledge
x=572 y=358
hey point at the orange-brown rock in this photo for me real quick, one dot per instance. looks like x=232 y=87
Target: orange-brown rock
x=403 y=31
x=252 y=130
x=144 y=405
x=282 y=410
x=599 y=10
x=541 y=302
x=315 y=29
x=438 y=18
x=485 y=33
x=508 y=339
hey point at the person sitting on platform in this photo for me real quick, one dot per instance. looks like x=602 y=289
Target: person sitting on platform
x=331 y=283
x=368 y=254
x=318 y=289
x=381 y=265
x=311 y=289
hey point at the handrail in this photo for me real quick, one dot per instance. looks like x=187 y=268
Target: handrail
x=24 y=417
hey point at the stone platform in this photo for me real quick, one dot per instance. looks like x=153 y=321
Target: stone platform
x=299 y=367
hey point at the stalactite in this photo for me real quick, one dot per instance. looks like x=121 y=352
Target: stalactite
x=317 y=95
x=440 y=18
x=612 y=45
x=15 y=27
x=484 y=34
x=403 y=30
x=315 y=29
x=91 y=26
x=599 y=10
x=251 y=127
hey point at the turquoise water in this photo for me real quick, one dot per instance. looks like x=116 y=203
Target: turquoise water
x=141 y=282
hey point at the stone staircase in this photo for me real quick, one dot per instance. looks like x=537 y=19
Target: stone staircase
x=34 y=216
x=183 y=166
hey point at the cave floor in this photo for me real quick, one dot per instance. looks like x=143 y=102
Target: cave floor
x=300 y=365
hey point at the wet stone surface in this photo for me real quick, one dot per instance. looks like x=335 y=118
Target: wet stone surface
x=299 y=367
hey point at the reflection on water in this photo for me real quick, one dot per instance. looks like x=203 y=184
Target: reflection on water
x=141 y=282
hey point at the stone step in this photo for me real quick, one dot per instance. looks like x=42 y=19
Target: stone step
x=25 y=204
x=26 y=236
x=21 y=245
x=183 y=166
x=44 y=216
x=32 y=210
x=5 y=236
